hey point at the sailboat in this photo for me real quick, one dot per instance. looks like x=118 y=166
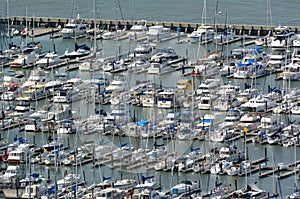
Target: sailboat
x=204 y=33
x=75 y=28
x=93 y=63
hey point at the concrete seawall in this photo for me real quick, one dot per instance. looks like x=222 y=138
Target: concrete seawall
x=51 y=22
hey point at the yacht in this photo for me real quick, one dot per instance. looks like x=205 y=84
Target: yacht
x=74 y=28
x=114 y=65
x=60 y=112
x=163 y=56
x=91 y=65
x=283 y=37
x=36 y=120
x=204 y=68
x=22 y=108
x=278 y=58
x=118 y=84
x=203 y=34
x=250 y=69
x=138 y=66
x=224 y=37
x=66 y=94
x=225 y=102
x=184 y=186
x=206 y=102
x=80 y=51
x=37 y=76
x=70 y=91
x=258 y=104
x=209 y=86
x=50 y=59
x=249 y=121
x=232 y=118
x=138 y=30
x=66 y=126
x=270 y=125
x=158 y=33
x=113 y=33
x=19 y=155
x=143 y=50
x=27 y=56
x=229 y=89
x=292 y=70
x=167 y=99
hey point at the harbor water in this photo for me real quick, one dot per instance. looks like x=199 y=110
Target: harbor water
x=175 y=10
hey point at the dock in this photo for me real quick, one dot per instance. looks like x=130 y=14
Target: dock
x=53 y=24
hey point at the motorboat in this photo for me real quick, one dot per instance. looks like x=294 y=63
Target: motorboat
x=183 y=187
x=226 y=102
x=10 y=92
x=27 y=56
x=20 y=154
x=118 y=84
x=80 y=51
x=202 y=34
x=209 y=86
x=143 y=50
x=232 y=118
x=66 y=126
x=69 y=92
x=22 y=109
x=74 y=28
x=291 y=71
x=283 y=37
x=249 y=68
x=229 y=89
x=138 y=30
x=224 y=37
x=206 y=102
x=113 y=33
x=270 y=125
x=158 y=33
x=53 y=144
x=278 y=58
x=259 y=103
x=221 y=134
x=36 y=121
x=230 y=153
x=163 y=56
x=91 y=65
x=204 y=68
x=167 y=99
x=49 y=60
x=37 y=76
x=60 y=112
x=12 y=171
x=249 y=122
x=139 y=65
x=227 y=69
x=35 y=190
x=68 y=180
x=114 y=65
x=66 y=94
x=148 y=193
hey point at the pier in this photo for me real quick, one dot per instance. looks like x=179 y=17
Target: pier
x=187 y=27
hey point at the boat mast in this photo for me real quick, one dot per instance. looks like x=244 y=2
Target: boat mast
x=95 y=28
x=8 y=25
x=26 y=27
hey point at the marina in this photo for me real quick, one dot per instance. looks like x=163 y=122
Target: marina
x=148 y=111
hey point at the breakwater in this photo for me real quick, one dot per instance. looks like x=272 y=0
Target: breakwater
x=51 y=22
